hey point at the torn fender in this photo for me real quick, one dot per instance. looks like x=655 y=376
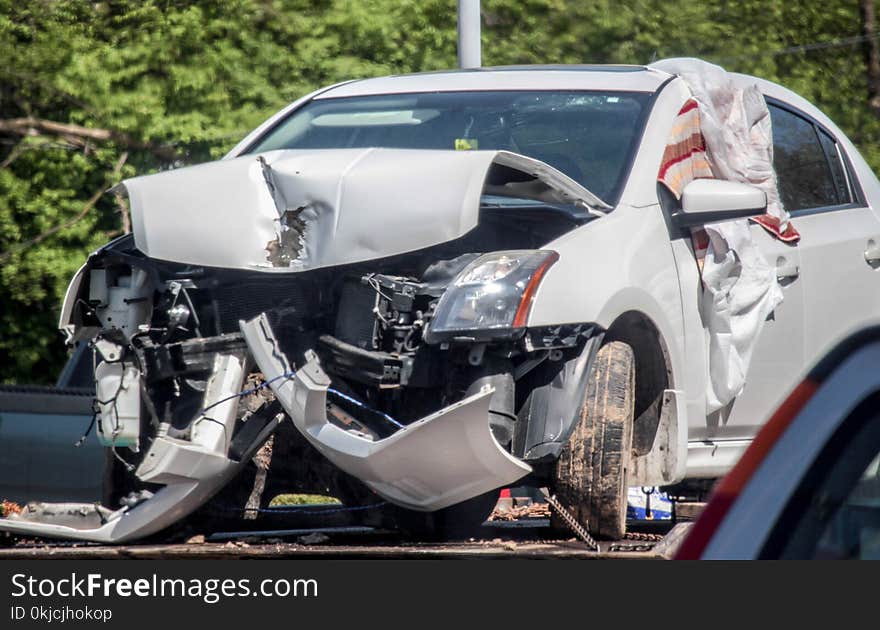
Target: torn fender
x=292 y=210
x=443 y=459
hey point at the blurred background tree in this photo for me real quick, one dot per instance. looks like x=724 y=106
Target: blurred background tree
x=93 y=92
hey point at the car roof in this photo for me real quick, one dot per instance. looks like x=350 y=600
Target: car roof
x=551 y=77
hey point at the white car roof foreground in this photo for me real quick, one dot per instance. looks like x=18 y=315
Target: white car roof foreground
x=614 y=78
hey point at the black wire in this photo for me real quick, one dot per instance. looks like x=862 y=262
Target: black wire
x=192 y=310
x=833 y=43
x=83 y=437
x=222 y=426
x=248 y=391
x=291 y=509
x=112 y=401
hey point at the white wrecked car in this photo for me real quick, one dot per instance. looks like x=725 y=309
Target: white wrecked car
x=457 y=281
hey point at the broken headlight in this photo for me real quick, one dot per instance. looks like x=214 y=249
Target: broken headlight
x=491 y=296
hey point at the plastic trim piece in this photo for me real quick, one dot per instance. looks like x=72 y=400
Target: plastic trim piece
x=440 y=460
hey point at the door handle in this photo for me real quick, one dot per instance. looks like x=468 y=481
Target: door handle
x=872 y=253
x=787 y=270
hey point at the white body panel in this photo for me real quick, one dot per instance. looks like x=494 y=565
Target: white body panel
x=703 y=195
x=325 y=207
x=616 y=78
x=778 y=357
x=835 y=271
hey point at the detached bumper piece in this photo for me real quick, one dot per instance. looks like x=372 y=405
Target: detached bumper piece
x=192 y=470
x=440 y=460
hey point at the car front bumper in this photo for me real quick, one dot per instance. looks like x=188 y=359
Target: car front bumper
x=442 y=459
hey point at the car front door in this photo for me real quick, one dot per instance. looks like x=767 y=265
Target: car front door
x=778 y=354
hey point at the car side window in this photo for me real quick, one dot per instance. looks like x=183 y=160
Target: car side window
x=853 y=532
x=807 y=162
x=835 y=514
x=838 y=173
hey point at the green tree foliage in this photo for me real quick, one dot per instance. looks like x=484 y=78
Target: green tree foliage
x=93 y=92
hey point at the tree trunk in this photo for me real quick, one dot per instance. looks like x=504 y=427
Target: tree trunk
x=872 y=53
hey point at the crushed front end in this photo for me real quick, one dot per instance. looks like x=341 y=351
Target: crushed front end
x=408 y=371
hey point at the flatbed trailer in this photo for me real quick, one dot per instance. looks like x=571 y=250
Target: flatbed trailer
x=306 y=537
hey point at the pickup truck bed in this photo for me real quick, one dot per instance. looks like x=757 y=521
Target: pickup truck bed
x=38 y=460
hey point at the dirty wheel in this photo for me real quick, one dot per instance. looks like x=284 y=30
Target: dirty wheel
x=590 y=475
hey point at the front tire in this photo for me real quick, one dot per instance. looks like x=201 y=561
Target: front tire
x=590 y=475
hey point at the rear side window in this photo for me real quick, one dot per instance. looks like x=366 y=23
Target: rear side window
x=807 y=162
x=853 y=530
x=838 y=503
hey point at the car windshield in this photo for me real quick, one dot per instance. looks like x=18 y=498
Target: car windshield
x=589 y=136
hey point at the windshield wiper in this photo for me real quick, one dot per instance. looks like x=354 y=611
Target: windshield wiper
x=576 y=213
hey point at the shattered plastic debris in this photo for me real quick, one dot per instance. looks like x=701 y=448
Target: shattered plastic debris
x=652 y=505
x=77 y=515
x=534 y=510
x=9 y=507
x=259 y=396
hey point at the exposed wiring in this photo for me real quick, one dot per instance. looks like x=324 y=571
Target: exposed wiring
x=95 y=410
x=88 y=430
x=416 y=329
x=833 y=43
x=307 y=509
x=358 y=403
x=116 y=429
x=192 y=310
x=346 y=397
x=247 y=392
x=215 y=421
x=112 y=401
x=377 y=287
x=380 y=317
x=128 y=467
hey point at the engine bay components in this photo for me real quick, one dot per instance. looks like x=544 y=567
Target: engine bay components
x=119 y=404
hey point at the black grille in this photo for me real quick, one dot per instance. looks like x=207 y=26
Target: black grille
x=286 y=303
x=355 y=322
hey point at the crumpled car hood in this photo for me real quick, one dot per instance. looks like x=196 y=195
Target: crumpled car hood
x=292 y=210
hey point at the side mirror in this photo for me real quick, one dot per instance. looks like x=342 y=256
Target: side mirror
x=711 y=200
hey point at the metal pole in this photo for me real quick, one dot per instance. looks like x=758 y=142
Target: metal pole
x=469 y=34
